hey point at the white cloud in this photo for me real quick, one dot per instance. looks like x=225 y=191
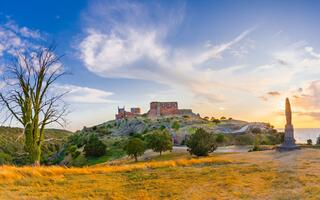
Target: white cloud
x=138 y=50
x=15 y=39
x=78 y=94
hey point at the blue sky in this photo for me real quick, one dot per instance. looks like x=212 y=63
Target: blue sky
x=231 y=58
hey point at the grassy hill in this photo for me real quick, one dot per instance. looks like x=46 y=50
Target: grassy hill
x=114 y=134
x=255 y=175
x=12 y=144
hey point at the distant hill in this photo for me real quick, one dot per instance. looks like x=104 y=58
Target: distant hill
x=12 y=144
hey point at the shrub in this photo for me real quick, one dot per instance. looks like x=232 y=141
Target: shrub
x=220 y=138
x=309 y=142
x=175 y=125
x=94 y=147
x=246 y=139
x=256 y=145
x=159 y=141
x=223 y=118
x=5 y=158
x=201 y=143
x=72 y=149
x=75 y=154
x=135 y=148
x=256 y=130
x=217 y=121
x=162 y=127
x=318 y=140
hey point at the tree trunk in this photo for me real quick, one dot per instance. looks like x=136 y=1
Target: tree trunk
x=35 y=155
x=136 y=158
x=160 y=153
x=33 y=145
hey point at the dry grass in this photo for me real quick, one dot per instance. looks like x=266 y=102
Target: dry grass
x=258 y=175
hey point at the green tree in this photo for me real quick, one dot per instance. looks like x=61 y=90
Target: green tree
x=159 y=141
x=318 y=140
x=31 y=100
x=175 y=125
x=94 y=147
x=309 y=142
x=201 y=143
x=135 y=148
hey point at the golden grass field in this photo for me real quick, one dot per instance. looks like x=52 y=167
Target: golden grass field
x=256 y=175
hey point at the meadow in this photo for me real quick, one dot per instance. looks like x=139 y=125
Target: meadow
x=255 y=175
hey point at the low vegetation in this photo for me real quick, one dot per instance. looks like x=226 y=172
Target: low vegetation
x=201 y=143
x=159 y=141
x=135 y=148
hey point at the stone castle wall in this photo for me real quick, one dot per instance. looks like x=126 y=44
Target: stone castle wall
x=163 y=109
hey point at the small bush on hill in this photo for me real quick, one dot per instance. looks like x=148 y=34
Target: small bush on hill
x=5 y=158
x=309 y=142
x=318 y=140
x=256 y=130
x=135 y=148
x=201 y=143
x=256 y=145
x=220 y=138
x=175 y=125
x=94 y=147
x=217 y=121
x=162 y=127
x=159 y=141
x=245 y=139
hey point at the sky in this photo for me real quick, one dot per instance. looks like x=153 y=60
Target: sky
x=238 y=59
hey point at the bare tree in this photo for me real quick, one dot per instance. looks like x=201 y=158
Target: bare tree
x=28 y=96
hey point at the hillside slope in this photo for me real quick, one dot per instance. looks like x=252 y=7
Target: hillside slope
x=12 y=144
x=114 y=134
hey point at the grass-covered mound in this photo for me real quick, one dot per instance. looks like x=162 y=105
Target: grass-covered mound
x=115 y=133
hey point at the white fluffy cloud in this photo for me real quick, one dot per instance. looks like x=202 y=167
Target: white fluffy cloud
x=138 y=50
x=14 y=38
x=78 y=94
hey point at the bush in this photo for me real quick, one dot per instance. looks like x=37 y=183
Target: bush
x=5 y=158
x=75 y=154
x=256 y=145
x=175 y=125
x=94 y=147
x=135 y=148
x=220 y=138
x=217 y=121
x=201 y=143
x=309 y=142
x=159 y=141
x=318 y=140
x=256 y=130
x=162 y=127
x=245 y=139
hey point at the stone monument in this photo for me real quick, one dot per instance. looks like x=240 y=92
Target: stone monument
x=289 y=141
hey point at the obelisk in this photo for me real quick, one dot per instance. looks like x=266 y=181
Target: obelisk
x=289 y=142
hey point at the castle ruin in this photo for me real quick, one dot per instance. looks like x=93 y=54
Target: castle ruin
x=122 y=113
x=157 y=109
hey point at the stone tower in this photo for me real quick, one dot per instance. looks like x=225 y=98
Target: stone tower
x=289 y=142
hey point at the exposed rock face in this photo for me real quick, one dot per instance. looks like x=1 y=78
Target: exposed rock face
x=289 y=141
